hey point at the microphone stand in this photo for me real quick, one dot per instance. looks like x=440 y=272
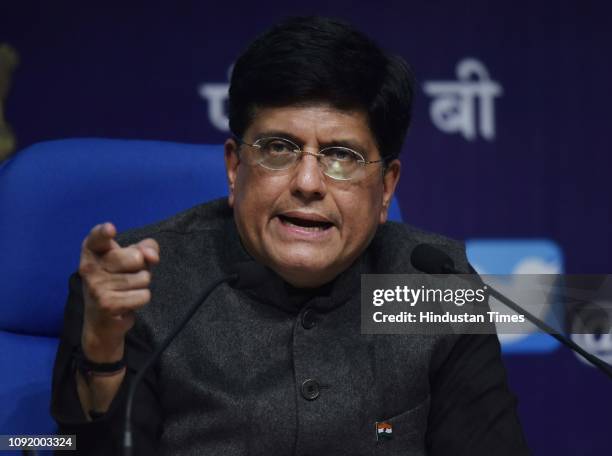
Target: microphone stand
x=127 y=431
x=604 y=367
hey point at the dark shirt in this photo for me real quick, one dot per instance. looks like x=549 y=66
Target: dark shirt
x=276 y=370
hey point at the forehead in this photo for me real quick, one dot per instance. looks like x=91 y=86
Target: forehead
x=317 y=123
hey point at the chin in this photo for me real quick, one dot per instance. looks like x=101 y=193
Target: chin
x=303 y=272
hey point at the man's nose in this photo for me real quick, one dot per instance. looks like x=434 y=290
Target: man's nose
x=309 y=179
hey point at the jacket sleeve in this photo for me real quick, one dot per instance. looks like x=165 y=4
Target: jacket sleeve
x=103 y=435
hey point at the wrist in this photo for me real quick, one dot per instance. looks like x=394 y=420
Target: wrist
x=102 y=349
x=90 y=369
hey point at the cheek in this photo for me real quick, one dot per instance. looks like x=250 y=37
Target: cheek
x=360 y=211
x=255 y=193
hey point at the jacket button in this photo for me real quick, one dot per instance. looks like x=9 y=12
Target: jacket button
x=310 y=389
x=309 y=319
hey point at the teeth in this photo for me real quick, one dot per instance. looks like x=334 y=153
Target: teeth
x=305 y=224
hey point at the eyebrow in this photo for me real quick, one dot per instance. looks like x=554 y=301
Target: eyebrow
x=348 y=143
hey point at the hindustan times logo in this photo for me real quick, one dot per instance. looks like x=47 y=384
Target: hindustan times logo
x=595 y=338
x=599 y=345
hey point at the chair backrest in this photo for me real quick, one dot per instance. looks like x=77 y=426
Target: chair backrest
x=51 y=194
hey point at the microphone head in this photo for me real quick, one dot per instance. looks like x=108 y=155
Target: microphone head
x=249 y=274
x=431 y=260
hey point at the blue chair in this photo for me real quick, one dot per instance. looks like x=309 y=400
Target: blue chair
x=51 y=194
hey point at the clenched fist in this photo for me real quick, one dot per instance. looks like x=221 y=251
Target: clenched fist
x=115 y=283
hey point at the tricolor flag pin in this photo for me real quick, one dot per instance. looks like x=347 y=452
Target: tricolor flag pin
x=384 y=431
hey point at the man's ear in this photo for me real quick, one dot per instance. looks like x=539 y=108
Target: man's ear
x=390 y=179
x=232 y=160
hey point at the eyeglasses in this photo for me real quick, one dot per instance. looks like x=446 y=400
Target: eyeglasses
x=340 y=163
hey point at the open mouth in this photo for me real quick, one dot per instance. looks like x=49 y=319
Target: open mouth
x=308 y=225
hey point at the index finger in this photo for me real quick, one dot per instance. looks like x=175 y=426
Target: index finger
x=100 y=239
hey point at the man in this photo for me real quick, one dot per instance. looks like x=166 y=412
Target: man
x=319 y=115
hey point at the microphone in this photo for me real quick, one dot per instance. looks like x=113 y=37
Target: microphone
x=245 y=275
x=431 y=260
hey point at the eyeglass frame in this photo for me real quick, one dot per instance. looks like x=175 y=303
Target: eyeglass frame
x=301 y=152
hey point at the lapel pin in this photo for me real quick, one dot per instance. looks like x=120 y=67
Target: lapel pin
x=384 y=431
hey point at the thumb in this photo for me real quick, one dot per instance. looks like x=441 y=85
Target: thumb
x=150 y=250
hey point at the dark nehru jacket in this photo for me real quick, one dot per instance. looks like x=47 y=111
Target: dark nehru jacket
x=277 y=371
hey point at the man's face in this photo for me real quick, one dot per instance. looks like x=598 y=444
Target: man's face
x=304 y=225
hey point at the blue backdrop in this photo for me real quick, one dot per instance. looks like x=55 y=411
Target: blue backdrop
x=512 y=97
